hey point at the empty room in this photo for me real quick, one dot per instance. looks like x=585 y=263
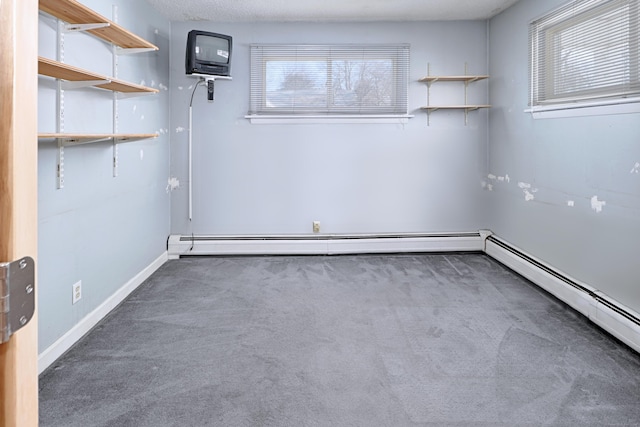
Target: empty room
x=338 y=213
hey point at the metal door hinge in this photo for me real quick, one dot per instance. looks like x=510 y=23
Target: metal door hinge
x=17 y=295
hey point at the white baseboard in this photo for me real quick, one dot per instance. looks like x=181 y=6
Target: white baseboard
x=620 y=321
x=324 y=244
x=65 y=342
x=615 y=318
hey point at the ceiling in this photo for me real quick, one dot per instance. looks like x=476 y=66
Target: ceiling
x=329 y=10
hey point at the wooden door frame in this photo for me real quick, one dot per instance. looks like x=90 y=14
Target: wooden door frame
x=18 y=196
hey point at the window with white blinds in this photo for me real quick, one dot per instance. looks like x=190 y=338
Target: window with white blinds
x=329 y=80
x=585 y=50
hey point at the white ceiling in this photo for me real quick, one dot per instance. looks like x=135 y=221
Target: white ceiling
x=329 y=10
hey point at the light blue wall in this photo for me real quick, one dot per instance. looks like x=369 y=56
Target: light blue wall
x=100 y=229
x=565 y=159
x=277 y=179
x=353 y=178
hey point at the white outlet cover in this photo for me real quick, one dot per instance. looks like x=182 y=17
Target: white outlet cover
x=77 y=292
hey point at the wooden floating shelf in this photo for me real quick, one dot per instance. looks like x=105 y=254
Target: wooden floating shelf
x=88 y=138
x=74 y=12
x=59 y=70
x=468 y=79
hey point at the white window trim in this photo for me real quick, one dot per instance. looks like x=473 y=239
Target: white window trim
x=592 y=108
x=607 y=105
x=277 y=119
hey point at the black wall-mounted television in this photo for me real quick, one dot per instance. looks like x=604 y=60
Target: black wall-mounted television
x=208 y=53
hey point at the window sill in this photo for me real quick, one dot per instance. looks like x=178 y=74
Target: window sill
x=593 y=108
x=290 y=119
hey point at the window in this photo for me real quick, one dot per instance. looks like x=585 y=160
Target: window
x=329 y=81
x=585 y=51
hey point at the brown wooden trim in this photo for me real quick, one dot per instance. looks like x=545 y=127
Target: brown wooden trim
x=18 y=196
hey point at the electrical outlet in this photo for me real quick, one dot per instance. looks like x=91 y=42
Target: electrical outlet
x=77 y=292
x=316 y=226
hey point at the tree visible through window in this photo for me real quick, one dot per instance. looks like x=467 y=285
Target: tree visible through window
x=333 y=80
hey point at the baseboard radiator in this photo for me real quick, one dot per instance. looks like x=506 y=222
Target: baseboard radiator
x=326 y=244
x=620 y=321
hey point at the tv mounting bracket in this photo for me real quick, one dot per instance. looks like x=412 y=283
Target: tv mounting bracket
x=209 y=80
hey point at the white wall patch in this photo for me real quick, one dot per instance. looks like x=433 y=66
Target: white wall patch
x=507 y=178
x=636 y=168
x=179 y=87
x=527 y=190
x=491 y=176
x=179 y=129
x=135 y=107
x=153 y=83
x=571 y=203
x=141 y=154
x=143 y=83
x=172 y=184
x=501 y=178
x=163 y=87
x=490 y=187
x=596 y=204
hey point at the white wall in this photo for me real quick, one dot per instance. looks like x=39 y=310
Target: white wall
x=374 y=178
x=100 y=229
x=565 y=160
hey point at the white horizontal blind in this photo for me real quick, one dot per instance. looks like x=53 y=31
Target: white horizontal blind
x=331 y=80
x=585 y=50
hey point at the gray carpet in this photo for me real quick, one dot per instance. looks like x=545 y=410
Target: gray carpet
x=400 y=340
